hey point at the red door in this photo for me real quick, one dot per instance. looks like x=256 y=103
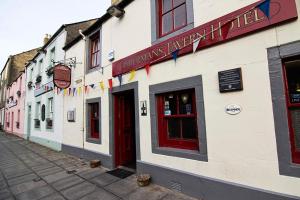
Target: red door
x=94 y=117
x=124 y=124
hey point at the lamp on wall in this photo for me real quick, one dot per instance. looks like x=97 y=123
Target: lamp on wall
x=116 y=11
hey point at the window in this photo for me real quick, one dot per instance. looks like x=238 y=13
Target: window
x=94 y=120
x=18 y=122
x=93 y=123
x=94 y=50
x=37 y=115
x=30 y=74
x=292 y=85
x=40 y=66
x=50 y=107
x=52 y=56
x=172 y=16
x=177 y=120
x=20 y=86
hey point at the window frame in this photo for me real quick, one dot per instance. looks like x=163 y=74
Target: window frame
x=295 y=154
x=155 y=32
x=88 y=122
x=276 y=56
x=179 y=85
x=172 y=10
x=164 y=139
x=90 y=68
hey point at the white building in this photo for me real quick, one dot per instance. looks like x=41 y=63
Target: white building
x=43 y=108
x=214 y=124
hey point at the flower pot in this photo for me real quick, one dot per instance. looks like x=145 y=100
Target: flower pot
x=143 y=180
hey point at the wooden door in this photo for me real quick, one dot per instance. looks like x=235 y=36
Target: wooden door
x=94 y=117
x=124 y=123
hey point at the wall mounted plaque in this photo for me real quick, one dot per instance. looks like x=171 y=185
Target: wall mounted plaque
x=230 y=80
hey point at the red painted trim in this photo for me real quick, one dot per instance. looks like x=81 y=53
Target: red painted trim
x=295 y=153
x=280 y=10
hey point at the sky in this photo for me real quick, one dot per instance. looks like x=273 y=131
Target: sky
x=24 y=23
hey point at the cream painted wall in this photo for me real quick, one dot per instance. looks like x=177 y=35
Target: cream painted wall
x=241 y=148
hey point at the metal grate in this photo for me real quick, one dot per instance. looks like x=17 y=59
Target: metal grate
x=175 y=186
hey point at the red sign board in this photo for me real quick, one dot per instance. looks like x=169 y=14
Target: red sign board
x=245 y=21
x=62 y=76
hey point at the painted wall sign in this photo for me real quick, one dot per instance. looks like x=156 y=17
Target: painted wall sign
x=230 y=80
x=12 y=103
x=42 y=89
x=62 y=76
x=247 y=20
x=233 y=109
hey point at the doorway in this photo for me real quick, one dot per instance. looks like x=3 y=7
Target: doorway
x=124 y=129
x=29 y=122
x=12 y=122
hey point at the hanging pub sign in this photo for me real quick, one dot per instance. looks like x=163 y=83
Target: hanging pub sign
x=62 y=76
x=230 y=80
x=234 y=25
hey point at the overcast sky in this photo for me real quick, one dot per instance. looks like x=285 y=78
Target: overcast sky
x=24 y=23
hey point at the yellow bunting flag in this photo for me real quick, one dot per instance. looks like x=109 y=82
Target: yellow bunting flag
x=132 y=75
x=65 y=92
x=79 y=90
x=101 y=84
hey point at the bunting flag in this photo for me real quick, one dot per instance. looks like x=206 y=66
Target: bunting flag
x=225 y=29
x=196 y=43
x=79 y=90
x=70 y=91
x=65 y=92
x=147 y=67
x=74 y=90
x=132 y=75
x=110 y=83
x=175 y=54
x=101 y=84
x=120 y=79
x=265 y=7
x=92 y=86
x=85 y=89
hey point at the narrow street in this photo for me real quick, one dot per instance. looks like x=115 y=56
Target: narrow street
x=29 y=171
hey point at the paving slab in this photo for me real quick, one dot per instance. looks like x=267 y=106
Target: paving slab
x=123 y=187
x=91 y=173
x=2 y=184
x=78 y=191
x=100 y=194
x=67 y=182
x=52 y=170
x=36 y=193
x=176 y=196
x=151 y=192
x=23 y=187
x=21 y=179
x=55 y=196
x=57 y=176
x=104 y=179
x=5 y=194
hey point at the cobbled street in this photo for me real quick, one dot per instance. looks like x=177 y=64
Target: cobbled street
x=29 y=171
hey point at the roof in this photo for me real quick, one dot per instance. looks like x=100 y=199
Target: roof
x=96 y=25
x=18 y=62
x=72 y=32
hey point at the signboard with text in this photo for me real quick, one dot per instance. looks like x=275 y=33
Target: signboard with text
x=230 y=80
x=62 y=76
x=245 y=21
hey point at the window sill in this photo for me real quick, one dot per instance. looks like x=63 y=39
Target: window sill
x=173 y=34
x=93 y=140
x=182 y=153
x=92 y=69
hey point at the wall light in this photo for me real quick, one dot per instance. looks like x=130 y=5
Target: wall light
x=116 y=11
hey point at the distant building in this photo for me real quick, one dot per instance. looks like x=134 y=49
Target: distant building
x=44 y=109
x=11 y=71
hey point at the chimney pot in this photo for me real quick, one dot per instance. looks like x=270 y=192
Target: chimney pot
x=46 y=38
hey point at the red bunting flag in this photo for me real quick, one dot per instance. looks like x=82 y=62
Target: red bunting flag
x=70 y=91
x=86 y=89
x=110 y=83
x=225 y=29
x=147 y=67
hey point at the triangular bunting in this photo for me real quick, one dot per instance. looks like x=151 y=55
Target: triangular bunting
x=175 y=54
x=101 y=84
x=265 y=7
x=92 y=86
x=225 y=29
x=147 y=67
x=132 y=75
x=120 y=79
x=110 y=83
x=85 y=89
x=196 y=44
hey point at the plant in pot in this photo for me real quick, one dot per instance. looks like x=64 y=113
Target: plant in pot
x=29 y=84
x=19 y=93
x=38 y=79
x=49 y=71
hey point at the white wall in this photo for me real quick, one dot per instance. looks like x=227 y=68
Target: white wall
x=241 y=148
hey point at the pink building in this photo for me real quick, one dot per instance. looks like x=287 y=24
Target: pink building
x=14 y=109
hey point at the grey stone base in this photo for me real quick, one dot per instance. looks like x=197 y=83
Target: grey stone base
x=106 y=160
x=204 y=187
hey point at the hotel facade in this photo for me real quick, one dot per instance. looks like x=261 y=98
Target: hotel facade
x=204 y=96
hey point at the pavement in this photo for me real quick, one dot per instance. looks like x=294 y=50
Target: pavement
x=29 y=171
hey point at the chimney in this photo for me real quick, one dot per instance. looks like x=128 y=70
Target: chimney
x=46 y=38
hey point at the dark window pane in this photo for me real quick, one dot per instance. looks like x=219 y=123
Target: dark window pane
x=185 y=103
x=167 y=5
x=293 y=79
x=178 y=2
x=180 y=16
x=173 y=128
x=167 y=23
x=295 y=114
x=189 y=130
x=96 y=127
x=170 y=105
